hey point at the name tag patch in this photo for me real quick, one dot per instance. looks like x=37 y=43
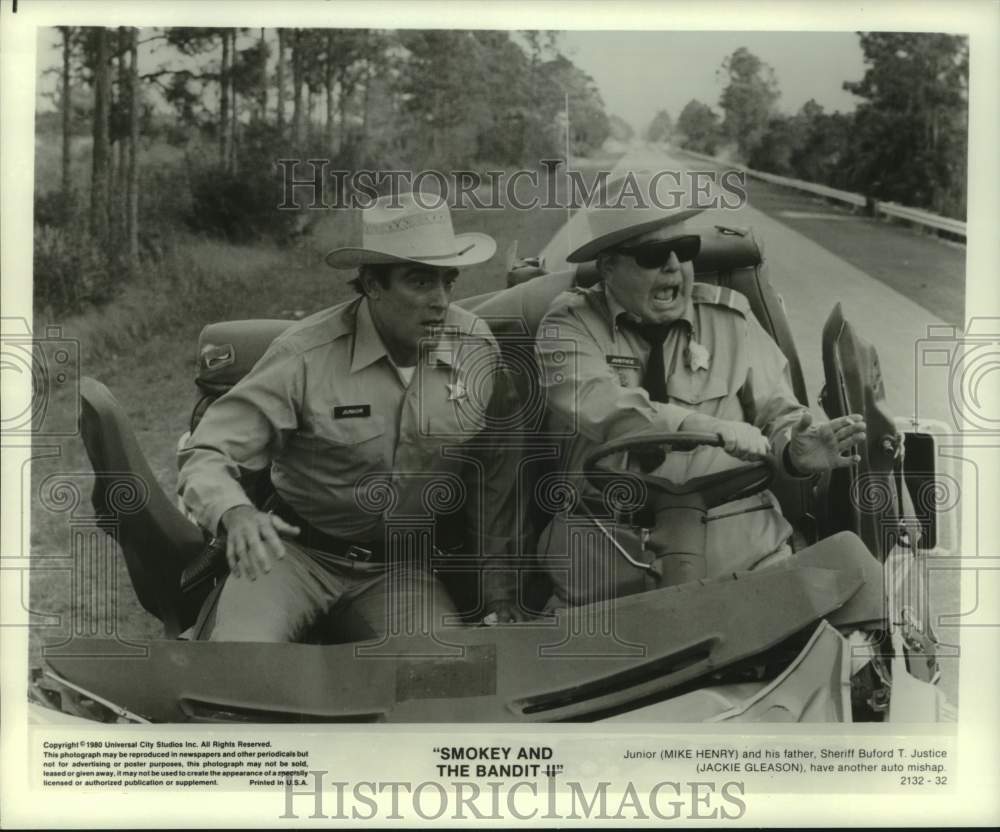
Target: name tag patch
x=624 y=361
x=626 y=368
x=352 y=411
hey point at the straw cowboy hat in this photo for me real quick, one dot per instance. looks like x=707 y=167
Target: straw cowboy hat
x=409 y=228
x=628 y=212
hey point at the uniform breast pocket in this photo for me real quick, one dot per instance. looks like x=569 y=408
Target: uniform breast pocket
x=349 y=432
x=689 y=389
x=338 y=451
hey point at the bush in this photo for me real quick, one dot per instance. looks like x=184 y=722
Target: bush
x=241 y=205
x=54 y=209
x=239 y=208
x=164 y=199
x=71 y=271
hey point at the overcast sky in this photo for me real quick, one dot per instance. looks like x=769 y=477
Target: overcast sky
x=641 y=72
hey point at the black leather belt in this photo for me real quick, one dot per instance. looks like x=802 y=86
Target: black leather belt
x=352 y=551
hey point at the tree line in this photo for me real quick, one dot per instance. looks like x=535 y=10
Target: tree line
x=906 y=142
x=231 y=101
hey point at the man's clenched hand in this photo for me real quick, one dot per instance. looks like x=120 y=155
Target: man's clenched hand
x=817 y=448
x=252 y=539
x=739 y=439
x=743 y=441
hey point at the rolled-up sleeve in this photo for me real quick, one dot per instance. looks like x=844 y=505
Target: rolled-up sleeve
x=243 y=429
x=583 y=392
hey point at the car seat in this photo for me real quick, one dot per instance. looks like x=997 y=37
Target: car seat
x=158 y=542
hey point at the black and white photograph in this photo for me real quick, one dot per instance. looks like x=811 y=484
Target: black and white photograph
x=621 y=401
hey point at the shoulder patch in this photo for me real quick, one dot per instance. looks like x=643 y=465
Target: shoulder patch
x=720 y=296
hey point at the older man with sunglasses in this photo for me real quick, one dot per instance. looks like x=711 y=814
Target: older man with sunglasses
x=652 y=349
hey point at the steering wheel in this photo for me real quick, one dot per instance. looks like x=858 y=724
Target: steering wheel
x=677 y=540
x=715 y=489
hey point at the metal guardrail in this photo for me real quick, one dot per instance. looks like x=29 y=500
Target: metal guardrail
x=820 y=190
x=889 y=209
x=915 y=215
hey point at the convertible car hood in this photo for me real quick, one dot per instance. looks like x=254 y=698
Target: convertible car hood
x=590 y=663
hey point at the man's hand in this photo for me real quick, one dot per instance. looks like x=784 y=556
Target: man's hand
x=817 y=448
x=252 y=539
x=739 y=439
x=504 y=612
x=743 y=441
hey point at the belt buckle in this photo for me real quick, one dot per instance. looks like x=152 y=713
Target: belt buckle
x=359 y=553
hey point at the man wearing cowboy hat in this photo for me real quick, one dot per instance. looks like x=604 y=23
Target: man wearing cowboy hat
x=363 y=413
x=655 y=350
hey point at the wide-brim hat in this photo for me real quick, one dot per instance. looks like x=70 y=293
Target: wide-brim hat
x=627 y=210
x=412 y=228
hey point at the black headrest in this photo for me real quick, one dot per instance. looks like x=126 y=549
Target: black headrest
x=227 y=350
x=725 y=248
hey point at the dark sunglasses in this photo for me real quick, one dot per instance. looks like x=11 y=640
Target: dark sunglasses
x=654 y=254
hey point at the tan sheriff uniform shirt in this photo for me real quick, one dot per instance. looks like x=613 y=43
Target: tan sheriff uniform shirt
x=352 y=445
x=718 y=360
